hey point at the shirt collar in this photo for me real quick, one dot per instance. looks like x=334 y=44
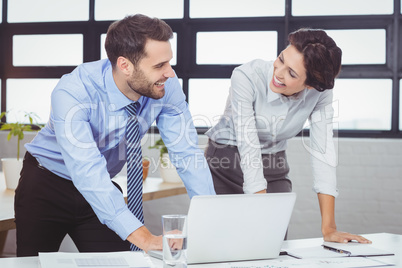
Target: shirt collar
x=271 y=96
x=117 y=99
x=301 y=96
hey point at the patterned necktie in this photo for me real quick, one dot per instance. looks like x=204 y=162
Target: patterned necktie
x=134 y=165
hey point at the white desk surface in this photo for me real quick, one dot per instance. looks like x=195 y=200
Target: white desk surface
x=6 y=206
x=386 y=241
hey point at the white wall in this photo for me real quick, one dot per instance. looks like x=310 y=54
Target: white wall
x=369 y=182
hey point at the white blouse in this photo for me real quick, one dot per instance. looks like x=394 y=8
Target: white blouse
x=260 y=121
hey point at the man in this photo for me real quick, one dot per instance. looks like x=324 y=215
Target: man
x=65 y=185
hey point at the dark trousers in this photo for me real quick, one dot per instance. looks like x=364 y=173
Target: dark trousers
x=47 y=207
x=227 y=175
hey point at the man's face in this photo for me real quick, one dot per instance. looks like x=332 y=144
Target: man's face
x=149 y=76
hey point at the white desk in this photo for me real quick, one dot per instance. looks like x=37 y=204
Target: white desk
x=389 y=242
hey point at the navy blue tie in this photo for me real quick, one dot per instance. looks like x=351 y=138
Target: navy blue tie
x=134 y=165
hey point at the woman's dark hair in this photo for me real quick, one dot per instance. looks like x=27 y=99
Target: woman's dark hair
x=322 y=57
x=127 y=37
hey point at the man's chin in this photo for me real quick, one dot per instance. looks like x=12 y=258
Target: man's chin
x=157 y=95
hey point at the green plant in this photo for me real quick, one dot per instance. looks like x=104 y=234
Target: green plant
x=160 y=145
x=17 y=129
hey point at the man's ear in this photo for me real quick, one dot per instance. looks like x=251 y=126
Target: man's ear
x=124 y=65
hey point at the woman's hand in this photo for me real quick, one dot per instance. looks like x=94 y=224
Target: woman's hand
x=261 y=192
x=332 y=235
x=328 y=226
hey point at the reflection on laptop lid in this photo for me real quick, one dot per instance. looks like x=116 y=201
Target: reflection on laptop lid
x=239 y=227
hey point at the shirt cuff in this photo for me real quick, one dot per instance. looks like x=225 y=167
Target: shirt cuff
x=257 y=185
x=124 y=224
x=326 y=190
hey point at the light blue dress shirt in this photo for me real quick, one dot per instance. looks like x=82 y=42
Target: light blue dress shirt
x=83 y=140
x=260 y=121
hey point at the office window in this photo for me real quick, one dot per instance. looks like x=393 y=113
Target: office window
x=103 y=51
x=22 y=92
x=363 y=104
x=235 y=47
x=361 y=46
x=230 y=8
x=341 y=7
x=47 y=50
x=46 y=39
x=207 y=99
x=173 y=43
x=117 y=9
x=47 y=10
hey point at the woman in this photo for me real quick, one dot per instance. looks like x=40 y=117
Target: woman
x=268 y=103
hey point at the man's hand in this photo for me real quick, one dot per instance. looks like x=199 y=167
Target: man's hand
x=174 y=243
x=146 y=241
x=332 y=235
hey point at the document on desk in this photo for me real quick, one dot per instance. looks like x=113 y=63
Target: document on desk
x=355 y=249
x=124 y=259
x=333 y=250
x=312 y=263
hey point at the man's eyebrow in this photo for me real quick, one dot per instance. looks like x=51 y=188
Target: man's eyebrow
x=161 y=63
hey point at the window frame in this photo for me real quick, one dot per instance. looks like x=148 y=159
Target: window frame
x=186 y=67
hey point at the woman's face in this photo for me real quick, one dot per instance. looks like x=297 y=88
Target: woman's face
x=289 y=72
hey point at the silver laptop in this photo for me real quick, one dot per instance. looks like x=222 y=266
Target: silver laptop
x=225 y=228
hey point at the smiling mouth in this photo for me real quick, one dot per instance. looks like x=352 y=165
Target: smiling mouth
x=277 y=83
x=159 y=84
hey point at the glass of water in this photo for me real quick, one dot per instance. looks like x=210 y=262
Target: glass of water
x=174 y=241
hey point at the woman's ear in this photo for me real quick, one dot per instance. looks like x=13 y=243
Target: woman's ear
x=309 y=87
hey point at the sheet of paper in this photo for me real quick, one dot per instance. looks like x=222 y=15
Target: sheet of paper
x=125 y=259
x=313 y=252
x=358 y=249
x=311 y=263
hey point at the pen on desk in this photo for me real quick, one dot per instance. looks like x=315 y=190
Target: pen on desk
x=289 y=254
x=337 y=250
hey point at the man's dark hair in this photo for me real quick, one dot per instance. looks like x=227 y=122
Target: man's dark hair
x=127 y=37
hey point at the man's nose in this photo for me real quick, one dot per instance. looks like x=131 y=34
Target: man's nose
x=169 y=72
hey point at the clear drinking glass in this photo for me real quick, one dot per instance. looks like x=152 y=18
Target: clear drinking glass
x=174 y=240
